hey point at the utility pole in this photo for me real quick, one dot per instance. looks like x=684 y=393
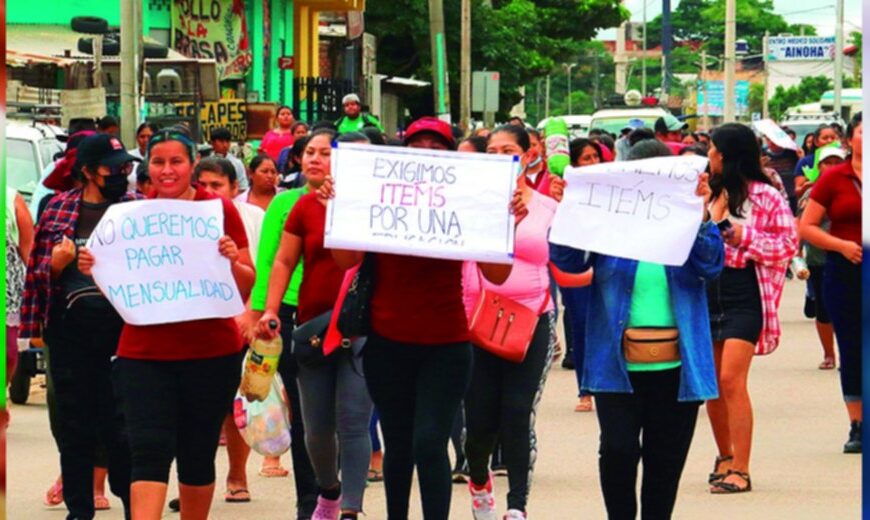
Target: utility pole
x=465 y=67
x=547 y=98
x=667 y=39
x=706 y=119
x=595 y=82
x=765 y=109
x=568 y=68
x=730 y=55
x=440 y=87
x=620 y=59
x=131 y=30
x=838 y=61
x=643 y=54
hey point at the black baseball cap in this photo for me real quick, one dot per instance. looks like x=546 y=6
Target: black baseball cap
x=103 y=149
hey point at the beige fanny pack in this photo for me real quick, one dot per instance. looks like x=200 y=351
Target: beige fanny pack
x=651 y=345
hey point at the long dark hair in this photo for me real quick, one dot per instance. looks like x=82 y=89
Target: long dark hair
x=521 y=137
x=741 y=164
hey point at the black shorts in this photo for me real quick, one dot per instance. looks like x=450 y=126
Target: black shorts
x=734 y=300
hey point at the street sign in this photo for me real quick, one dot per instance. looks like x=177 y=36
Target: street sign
x=286 y=63
x=715 y=102
x=484 y=91
x=801 y=48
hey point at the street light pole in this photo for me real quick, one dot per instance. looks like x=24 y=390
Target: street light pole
x=766 y=50
x=838 y=61
x=643 y=54
x=706 y=119
x=568 y=68
x=130 y=33
x=730 y=54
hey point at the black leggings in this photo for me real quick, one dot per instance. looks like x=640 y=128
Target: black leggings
x=500 y=404
x=87 y=423
x=175 y=409
x=417 y=390
x=666 y=427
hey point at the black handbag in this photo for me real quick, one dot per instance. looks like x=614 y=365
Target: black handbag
x=308 y=341
x=354 y=317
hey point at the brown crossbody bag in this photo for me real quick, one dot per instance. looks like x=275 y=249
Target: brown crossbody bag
x=651 y=345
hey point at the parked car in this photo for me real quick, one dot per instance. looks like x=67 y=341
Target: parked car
x=30 y=147
x=804 y=119
x=613 y=120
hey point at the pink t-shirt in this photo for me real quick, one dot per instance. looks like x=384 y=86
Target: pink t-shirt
x=273 y=143
x=529 y=281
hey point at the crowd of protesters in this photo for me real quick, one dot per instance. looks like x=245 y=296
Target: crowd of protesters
x=126 y=400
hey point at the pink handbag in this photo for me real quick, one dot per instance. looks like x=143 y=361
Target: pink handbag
x=503 y=327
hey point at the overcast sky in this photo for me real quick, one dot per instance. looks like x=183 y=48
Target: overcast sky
x=820 y=13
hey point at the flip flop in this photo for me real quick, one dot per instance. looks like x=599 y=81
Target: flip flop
x=101 y=503
x=828 y=364
x=54 y=495
x=237 y=496
x=273 y=472
x=375 y=475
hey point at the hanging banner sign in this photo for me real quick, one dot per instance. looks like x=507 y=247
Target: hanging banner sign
x=644 y=210
x=801 y=48
x=227 y=113
x=158 y=262
x=428 y=203
x=213 y=29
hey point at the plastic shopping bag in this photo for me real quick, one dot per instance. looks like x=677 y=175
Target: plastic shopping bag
x=265 y=425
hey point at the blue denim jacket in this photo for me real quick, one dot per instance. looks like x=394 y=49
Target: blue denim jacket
x=604 y=367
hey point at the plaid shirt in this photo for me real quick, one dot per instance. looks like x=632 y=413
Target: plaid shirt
x=770 y=240
x=58 y=220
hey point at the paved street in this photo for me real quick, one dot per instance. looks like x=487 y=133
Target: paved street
x=798 y=469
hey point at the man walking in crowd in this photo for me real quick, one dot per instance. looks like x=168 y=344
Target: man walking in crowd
x=669 y=130
x=354 y=120
x=221 y=140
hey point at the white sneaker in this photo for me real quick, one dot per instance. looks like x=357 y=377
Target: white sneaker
x=482 y=501
x=514 y=514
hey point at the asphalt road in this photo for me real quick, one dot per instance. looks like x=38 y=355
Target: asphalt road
x=798 y=468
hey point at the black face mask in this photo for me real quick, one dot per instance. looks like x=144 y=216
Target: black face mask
x=114 y=187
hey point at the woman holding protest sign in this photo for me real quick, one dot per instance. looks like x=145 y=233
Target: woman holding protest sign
x=641 y=391
x=63 y=305
x=418 y=362
x=837 y=196
x=177 y=380
x=503 y=394
x=332 y=389
x=758 y=228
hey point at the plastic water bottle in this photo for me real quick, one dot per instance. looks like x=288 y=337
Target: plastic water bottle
x=261 y=364
x=556 y=142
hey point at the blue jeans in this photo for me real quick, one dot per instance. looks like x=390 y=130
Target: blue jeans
x=843 y=299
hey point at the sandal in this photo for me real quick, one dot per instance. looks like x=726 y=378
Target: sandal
x=375 y=475
x=101 y=503
x=54 y=495
x=237 y=496
x=716 y=476
x=828 y=364
x=726 y=488
x=273 y=471
x=585 y=405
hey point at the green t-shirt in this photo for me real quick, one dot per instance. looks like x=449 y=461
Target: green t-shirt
x=651 y=307
x=346 y=124
x=270 y=239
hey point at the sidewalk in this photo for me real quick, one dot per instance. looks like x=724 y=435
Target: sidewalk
x=798 y=469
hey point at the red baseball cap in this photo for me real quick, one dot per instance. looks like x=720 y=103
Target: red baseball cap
x=432 y=125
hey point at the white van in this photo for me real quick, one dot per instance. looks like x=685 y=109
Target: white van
x=852 y=100
x=613 y=120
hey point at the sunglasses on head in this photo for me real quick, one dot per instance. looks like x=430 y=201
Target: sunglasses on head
x=172 y=135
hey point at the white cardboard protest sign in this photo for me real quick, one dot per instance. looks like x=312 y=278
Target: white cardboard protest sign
x=645 y=210
x=776 y=134
x=428 y=203
x=157 y=261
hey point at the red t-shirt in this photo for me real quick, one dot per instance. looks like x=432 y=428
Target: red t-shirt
x=322 y=279
x=273 y=143
x=836 y=191
x=418 y=300
x=197 y=339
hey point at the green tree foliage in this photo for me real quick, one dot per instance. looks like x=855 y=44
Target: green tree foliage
x=857 y=40
x=522 y=39
x=809 y=90
x=704 y=20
